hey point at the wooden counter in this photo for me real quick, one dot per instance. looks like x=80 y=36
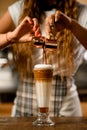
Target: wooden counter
x=25 y=123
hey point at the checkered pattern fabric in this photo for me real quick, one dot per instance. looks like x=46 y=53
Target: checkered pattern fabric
x=26 y=97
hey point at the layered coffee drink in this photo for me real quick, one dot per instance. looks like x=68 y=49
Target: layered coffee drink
x=43 y=81
x=43 y=74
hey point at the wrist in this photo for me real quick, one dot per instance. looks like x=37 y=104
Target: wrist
x=10 y=38
x=69 y=25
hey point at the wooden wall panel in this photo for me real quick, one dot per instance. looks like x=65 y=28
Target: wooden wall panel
x=83 y=1
x=4 y=4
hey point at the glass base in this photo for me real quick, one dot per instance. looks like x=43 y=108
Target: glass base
x=43 y=120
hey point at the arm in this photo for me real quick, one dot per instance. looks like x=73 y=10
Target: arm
x=61 y=21
x=6 y=24
x=79 y=31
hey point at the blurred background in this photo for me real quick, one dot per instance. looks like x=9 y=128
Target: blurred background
x=9 y=75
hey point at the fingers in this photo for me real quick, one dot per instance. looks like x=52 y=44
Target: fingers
x=50 y=27
x=49 y=21
x=28 y=20
x=25 y=26
x=36 y=27
x=57 y=16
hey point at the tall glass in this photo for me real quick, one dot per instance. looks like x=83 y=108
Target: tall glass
x=43 y=81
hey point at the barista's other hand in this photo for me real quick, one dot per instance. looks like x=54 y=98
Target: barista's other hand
x=57 y=22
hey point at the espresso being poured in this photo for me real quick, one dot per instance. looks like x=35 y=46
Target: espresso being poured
x=46 y=45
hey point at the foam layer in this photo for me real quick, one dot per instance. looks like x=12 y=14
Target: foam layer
x=43 y=66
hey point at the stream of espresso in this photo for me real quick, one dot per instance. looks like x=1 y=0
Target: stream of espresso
x=44 y=55
x=45 y=44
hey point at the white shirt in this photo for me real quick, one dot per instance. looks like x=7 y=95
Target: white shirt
x=72 y=96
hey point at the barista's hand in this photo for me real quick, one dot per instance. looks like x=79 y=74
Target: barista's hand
x=57 y=22
x=25 y=31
